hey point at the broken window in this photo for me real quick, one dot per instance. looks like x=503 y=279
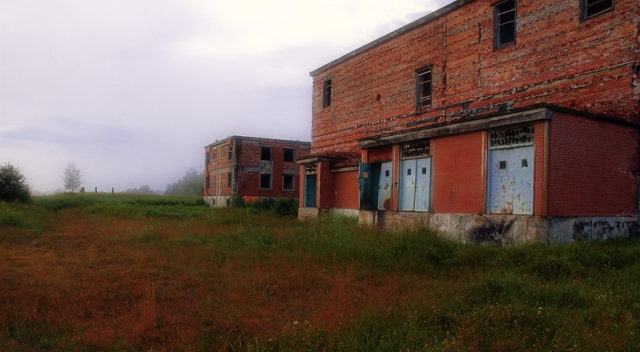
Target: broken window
x=326 y=93
x=505 y=23
x=415 y=149
x=229 y=180
x=288 y=155
x=592 y=8
x=265 y=181
x=423 y=82
x=510 y=138
x=288 y=182
x=265 y=153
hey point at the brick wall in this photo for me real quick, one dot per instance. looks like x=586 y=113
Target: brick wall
x=345 y=190
x=217 y=168
x=557 y=58
x=246 y=171
x=458 y=182
x=592 y=167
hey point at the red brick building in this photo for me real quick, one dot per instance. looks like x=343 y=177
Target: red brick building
x=505 y=122
x=253 y=168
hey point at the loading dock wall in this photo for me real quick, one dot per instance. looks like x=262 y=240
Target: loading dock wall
x=593 y=167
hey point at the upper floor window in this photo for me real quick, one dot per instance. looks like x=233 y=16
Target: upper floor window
x=265 y=181
x=504 y=23
x=230 y=152
x=288 y=155
x=592 y=8
x=423 y=87
x=288 y=182
x=265 y=153
x=326 y=93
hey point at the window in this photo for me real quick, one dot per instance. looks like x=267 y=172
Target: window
x=326 y=93
x=208 y=157
x=265 y=181
x=592 y=8
x=423 y=87
x=229 y=180
x=505 y=23
x=208 y=182
x=288 y=155
x=230 y=152
x=288 y=182
x=265 y=153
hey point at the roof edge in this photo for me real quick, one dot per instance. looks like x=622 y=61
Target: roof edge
x=257 y=139
x=389 y=36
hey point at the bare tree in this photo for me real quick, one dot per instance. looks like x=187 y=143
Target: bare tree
x=72 y=180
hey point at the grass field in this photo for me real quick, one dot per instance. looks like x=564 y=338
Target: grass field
x=124 y=273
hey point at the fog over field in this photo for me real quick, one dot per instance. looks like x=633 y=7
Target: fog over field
x=132 y=91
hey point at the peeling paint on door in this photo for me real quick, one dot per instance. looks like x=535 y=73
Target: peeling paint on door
x=384 y=187
x=415 y=182
x=510 y=178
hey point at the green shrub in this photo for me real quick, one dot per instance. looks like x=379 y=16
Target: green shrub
x=13 y=184
x=237 y=201
x=9 y=217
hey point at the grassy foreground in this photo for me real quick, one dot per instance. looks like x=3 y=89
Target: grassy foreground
x=118 y=273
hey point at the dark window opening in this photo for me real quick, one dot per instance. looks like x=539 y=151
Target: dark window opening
x=229 y=180
x=326 y=93
x=386 y=173
x=230 y=152
x=208 y=182
x=592 y=8
x=408 y=172
x=424 y=170
x=505 y=23
x=288 y=155
x=208 y=158
x=503 y=165
x=265 y=153
x=228 y=202
x=265 y=181
x=287 y=182
x=424 y=87
x=525 y=163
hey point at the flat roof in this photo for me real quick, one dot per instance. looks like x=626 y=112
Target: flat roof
x=260 y=139
x=398 y=32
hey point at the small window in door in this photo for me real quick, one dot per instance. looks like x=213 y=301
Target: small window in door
x=408 y=172
x=502 y=165
x=424 y=170
x=386 y=173
x=525 y=163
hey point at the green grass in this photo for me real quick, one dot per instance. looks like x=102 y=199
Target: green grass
x=190 y=277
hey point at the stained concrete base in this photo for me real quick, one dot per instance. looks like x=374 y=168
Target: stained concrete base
x=508 y=229
x=217 y=201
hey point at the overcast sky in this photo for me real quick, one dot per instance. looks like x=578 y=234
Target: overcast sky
x=131 y=91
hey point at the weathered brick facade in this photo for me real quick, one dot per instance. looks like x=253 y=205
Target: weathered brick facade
x=556 y=110
x=236 y=164
x=589 y=65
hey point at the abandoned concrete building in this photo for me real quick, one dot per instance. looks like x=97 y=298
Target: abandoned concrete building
x=494 y=122
x=253 y=168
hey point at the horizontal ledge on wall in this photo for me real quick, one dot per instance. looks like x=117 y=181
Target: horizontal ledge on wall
x=538 y=114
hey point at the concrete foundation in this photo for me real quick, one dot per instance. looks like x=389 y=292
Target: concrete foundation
x=217 y=201
x=508 y=229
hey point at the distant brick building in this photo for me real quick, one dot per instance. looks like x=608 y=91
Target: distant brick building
x=501 y=122
x=252 y=168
